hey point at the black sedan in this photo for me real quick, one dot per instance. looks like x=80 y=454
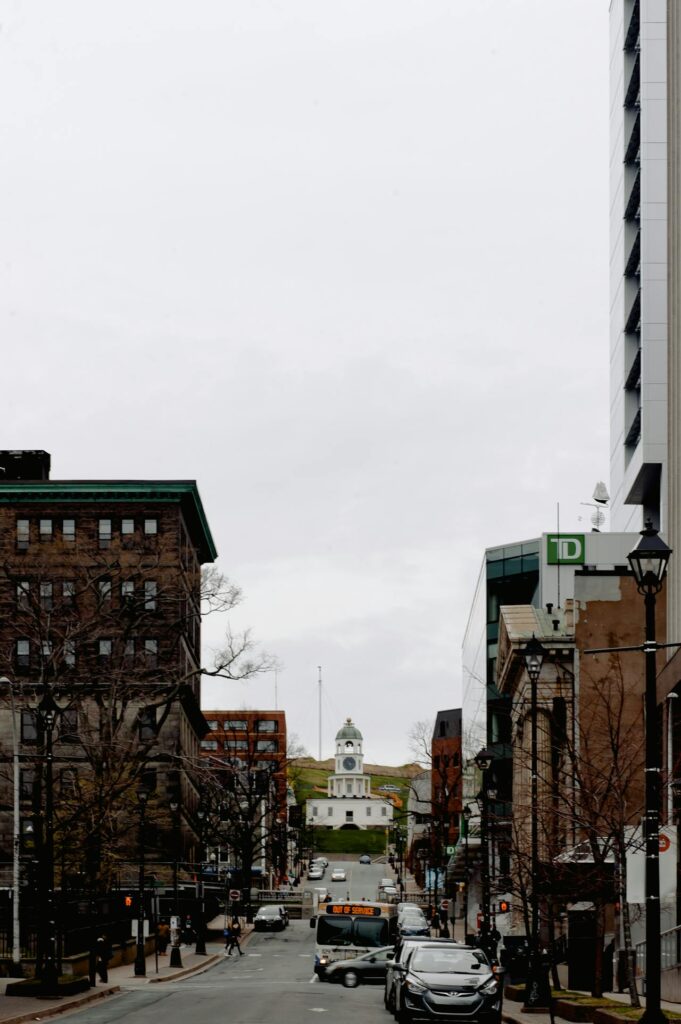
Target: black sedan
x=367 y=968
x=448 y=983
x=268 y=919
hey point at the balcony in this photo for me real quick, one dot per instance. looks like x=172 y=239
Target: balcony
x=633 y=147
x=633 y=31
x=632 y=209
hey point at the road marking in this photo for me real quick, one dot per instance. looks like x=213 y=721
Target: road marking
x=313 y=979
x=318 y=1009
x=253 y=954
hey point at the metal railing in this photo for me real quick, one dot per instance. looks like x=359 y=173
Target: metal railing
x=670 y=952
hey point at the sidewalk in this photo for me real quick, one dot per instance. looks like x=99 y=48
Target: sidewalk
x=513 y=1012
x=17 y=1009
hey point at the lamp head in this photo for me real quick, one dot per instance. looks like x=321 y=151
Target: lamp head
x=483 y=760
x=534 y=658
x=649 y=560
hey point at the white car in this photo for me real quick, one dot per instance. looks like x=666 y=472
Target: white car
x=338 y=875
x=315 y=873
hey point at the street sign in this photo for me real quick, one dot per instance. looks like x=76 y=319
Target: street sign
x=234 y=894
x=665 y=843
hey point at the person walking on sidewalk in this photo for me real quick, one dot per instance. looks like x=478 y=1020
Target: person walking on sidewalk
x=104 y=955
x=233 y=940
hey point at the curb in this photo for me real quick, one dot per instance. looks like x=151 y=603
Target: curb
x=53 y=1011
x=185 y=972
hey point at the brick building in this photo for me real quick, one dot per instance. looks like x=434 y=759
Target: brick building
x=100 y=608
x=247 y=751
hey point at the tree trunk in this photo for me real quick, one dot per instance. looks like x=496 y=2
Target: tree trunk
x=626 y=929
x=599 y=933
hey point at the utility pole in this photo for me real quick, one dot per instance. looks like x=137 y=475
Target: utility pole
x=320 y=711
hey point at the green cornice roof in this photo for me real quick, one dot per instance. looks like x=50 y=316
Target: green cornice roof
x=184 y=492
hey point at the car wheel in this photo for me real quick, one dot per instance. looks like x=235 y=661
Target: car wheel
x=350 y=979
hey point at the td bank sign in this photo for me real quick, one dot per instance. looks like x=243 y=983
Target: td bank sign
x=565 y=548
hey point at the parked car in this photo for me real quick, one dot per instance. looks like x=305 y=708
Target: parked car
x=321 y=860
x=365 y=859
x=385 y=881
x=338 y=875
x=448 y=983
x=410 y=924
x=388 y=892
x=315 y=872
x=388 y=788
x=269 y=919
x=367 y=968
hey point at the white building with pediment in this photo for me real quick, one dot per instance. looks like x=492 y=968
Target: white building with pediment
x=349 y=802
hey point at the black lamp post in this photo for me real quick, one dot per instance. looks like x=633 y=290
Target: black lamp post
x=200 y=946
x=175 y=955
x=484 y=762
x=47 y=711
x=649 y=561
x=140 y=958
x=536 y=991
x=467 y=813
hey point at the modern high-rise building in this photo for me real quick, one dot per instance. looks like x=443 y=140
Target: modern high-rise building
x=638 y=263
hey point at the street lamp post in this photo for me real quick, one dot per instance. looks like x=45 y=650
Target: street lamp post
x=649 y=561
x=484 y=762
x=200 y=946
x=47 y=711
x=537 y=993
x=466 y=814
x=175 y=954
x=140 y=958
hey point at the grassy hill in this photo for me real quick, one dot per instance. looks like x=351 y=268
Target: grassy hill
x=309 y=779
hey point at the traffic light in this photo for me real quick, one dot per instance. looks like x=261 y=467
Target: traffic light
x=504 y=906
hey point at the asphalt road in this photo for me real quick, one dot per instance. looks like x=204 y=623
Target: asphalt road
x=362 y=879
x=273 y=983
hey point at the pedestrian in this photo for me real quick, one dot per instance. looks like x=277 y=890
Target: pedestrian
x=435 y=924
x=228 y=937
x=103 y=956
x=163 y=937
x=234 y=933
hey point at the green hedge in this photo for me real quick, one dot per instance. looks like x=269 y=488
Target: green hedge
x=349 y=841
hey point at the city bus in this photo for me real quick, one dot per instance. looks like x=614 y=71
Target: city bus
x=346 y=929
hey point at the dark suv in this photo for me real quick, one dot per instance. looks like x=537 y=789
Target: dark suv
x=448 y=982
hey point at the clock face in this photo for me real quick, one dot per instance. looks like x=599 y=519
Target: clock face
x=349 y=763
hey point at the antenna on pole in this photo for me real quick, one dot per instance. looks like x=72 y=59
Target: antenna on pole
x=276 y=706
x=320 y=711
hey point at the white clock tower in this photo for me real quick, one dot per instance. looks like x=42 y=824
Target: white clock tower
x=349 y=779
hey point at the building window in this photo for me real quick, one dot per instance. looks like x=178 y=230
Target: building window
x=269 y=746
x=68 y=779
x=27 y=781
x=314 y=812
x=236 y=725
x=212 y=725
x=23 y=654
x=46 y=597
x=127 y=527
x=104 y=650
x=329 y=812
x=68 y=725
x=368 y=812
x=23 y=534
x=104 y=591
x=46 y=649
x=151 y=527
x=105 y=533
x=29 y=727
x=46 y=529
x=68 y=593
x=265 y=725
x=147 y=724
x=127 y=591
x=150 y=589
x=129 y=650
x=348 y=788
x=349 y=815
x=236 y=744
x=384 y=811
x=209 y=744
x=151 y=653
x=68 y=531
x=24 y=595
x=69 y=653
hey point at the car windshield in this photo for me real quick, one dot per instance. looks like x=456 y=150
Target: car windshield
x=446 y=961
x=268 y=912
x=343 y=931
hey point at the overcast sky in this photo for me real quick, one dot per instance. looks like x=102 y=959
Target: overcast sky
x=345 y=264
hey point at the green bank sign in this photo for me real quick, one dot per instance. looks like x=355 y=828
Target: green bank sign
x=565 y=548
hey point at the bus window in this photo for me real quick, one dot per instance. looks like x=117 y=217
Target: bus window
x=371 y=931
x=335 y=931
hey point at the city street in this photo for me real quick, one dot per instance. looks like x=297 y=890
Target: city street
x=272 y=983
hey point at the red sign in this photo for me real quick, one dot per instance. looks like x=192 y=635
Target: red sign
x=234 y=894
x=665 y=843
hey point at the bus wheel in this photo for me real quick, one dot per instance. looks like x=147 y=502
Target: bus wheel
x=350 y=979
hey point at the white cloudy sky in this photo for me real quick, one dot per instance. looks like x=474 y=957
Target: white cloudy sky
x=344 y=263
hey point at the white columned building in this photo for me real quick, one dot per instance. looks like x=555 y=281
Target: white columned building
x=349 y=802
